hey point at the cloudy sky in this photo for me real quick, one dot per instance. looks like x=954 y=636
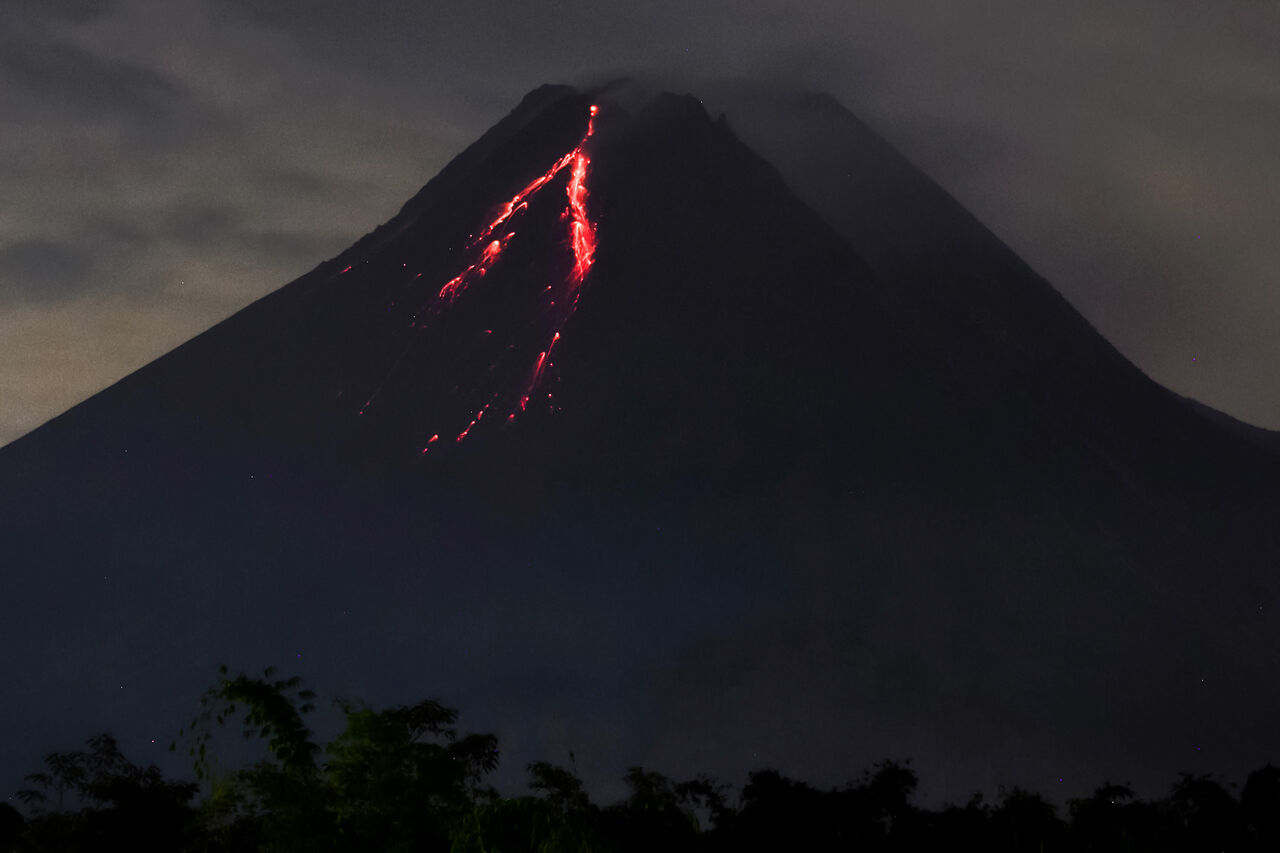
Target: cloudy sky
x=165 y=163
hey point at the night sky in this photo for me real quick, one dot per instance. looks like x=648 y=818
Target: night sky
x=165 y=164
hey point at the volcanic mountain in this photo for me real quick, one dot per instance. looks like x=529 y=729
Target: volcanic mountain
x=630 y=442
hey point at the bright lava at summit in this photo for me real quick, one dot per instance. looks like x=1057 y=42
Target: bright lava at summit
x=486 y=249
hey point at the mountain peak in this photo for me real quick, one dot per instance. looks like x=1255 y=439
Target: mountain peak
x=720 y=472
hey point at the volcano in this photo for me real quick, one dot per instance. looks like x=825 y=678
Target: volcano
x=657 y=437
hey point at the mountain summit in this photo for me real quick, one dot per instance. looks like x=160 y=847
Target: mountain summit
x=633 y=443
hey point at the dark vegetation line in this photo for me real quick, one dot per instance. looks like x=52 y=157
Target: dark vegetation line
x=406 y=780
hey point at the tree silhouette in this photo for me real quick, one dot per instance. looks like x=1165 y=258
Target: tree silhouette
x=12 y=828
x=558 y=787
x=961 y=828
x=1260 y=808
x=1113 y=819
x=105 y=802
x=654 y=817
x=405 y=772
x=405 y=779
x=778 y=813
x=1027 y=823
x=1201 y=815
x=399 y=778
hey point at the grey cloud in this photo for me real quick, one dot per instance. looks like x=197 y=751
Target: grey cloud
x=227 y=228
x=67 y=10
x=817 y=64
x=42 y=270
x=294 y=182
x=112 y=234
x=203 y=223
x=61 y=76
x=294 y=247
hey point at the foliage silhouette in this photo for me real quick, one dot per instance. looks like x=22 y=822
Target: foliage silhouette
x=405 y=779
x=558 y=786
x=1260 y=808
x=99 y=800
x=12 y=828
x=1200 y=815
x=1026 y=823
x=1113 y=819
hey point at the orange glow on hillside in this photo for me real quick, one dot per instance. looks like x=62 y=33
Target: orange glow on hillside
x=485 y=251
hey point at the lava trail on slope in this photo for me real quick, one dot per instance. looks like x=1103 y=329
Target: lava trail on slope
x=500 y=391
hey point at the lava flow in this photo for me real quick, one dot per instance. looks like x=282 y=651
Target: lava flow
x=561 y=299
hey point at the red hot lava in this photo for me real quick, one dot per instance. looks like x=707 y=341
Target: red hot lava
x=488 y=249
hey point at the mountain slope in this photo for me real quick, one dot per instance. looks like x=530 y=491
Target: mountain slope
x=801 y=494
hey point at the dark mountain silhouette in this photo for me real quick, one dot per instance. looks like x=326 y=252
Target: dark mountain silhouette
x=802 y=483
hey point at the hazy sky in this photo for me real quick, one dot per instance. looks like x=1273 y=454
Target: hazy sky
x=165 y=163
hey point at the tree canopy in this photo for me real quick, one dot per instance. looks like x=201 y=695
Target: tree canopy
x=406 y=779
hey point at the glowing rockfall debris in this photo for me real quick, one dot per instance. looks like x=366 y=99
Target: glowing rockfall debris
x=454 y=287
x=486 y=248
x=582 y=232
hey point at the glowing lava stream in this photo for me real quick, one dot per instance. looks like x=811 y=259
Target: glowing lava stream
x=582 y=232
x=562 y=301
